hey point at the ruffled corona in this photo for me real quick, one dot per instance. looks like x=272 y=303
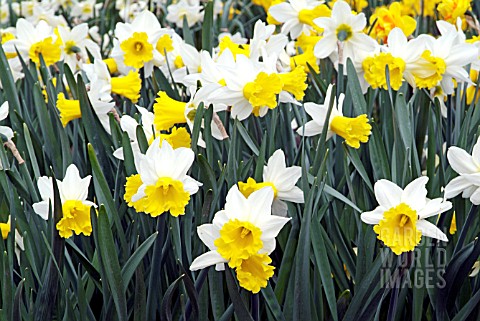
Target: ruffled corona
x=295 y=82
x=238 y=241
x=49 y=50
x=168 y=112
x=375 y=70
x=254 y=272
x=166 y=195
x=251 y=186
x=263 y=91
x=398 y=229
x=69 y=109
x=436 y=66
x=179 y=137
x=354 y=130
x=76 y=218
x=131 y=188
x=127 y=86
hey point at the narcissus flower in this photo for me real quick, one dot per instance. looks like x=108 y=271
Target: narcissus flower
x=385 y=19
x=353 y=130
x=191 y=10
x=297 y=15
x=468 y=168
x=75 y=207
x=162 y=184
x=400 y=219
x=242 y=235
x=33 y=41
x=450 y=10
x=344 y=27
x=281 y=179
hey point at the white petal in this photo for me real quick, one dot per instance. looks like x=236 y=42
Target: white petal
x=260 y=204
x=388 y=194
x=456 y=186
x=4 y=110
x=431 y=230
x=279 y=208
x=434 y=207
x=208 y=234
x=236 y=204
x=415 y=193
x=207 y=259
x=272 y=226
x=294 y=195
x=461 y=161
x=373 y=217
x=6 y=131
x=311 y=128
x=42 y=209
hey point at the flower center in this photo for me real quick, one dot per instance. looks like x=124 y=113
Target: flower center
x=76 y=218
x=127 y=86
x=49 y=50
x=436 y=66
x=69 y=109
x=166 y=195
x=375 y=72
x=263 y=91
x=344 y=32
x=71 y=47
x=398 y=229
x=254 y=272
x=354 y=130
x=137 y=50
x=238 y=241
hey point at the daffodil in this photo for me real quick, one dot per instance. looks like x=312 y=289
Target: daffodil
x=75 y=206
x=136 y=42
x=183 y=9
x=443 y=60
x=385 y=19
x=345 y=28
x=401 y=218
x=468 y=168
x=281 y=179
x=76 y=42
x=242 y=236
x=353 y=130
x=33 y=41
x=298 y=16
x=450 y=10
x=162 y=184
x=250 y=87
x=5 y=229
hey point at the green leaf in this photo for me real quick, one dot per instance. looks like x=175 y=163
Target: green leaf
x=109 y=259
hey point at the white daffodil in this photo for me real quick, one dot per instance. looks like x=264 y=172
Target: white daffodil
x=189 y=9
x=354 y=130
x=297 y=15
x=345 y=29
x=250 y=87
x=281 y=179
x=400 y=219
x=4 y=130
x=443 y=61
x=100 y=80
x=468 y=167
x=73 y=195
x=162 y=183
x=33 y=41
x=136 y=43
x=85 y=9
x=242 y=235
x=76 y=42
x=400 y=56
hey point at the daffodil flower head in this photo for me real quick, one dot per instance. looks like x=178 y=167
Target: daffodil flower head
x=127 y=86
x=354 y=130
x=263 y=91
x=137 y=50
x=69 y=109
x=375 y=70
x=295 y=82
x=75 y=206
x=168 y=111
x=242 y=235
x=400 y=219
x=162 y=184
x=385 y=19
x=5 y=228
